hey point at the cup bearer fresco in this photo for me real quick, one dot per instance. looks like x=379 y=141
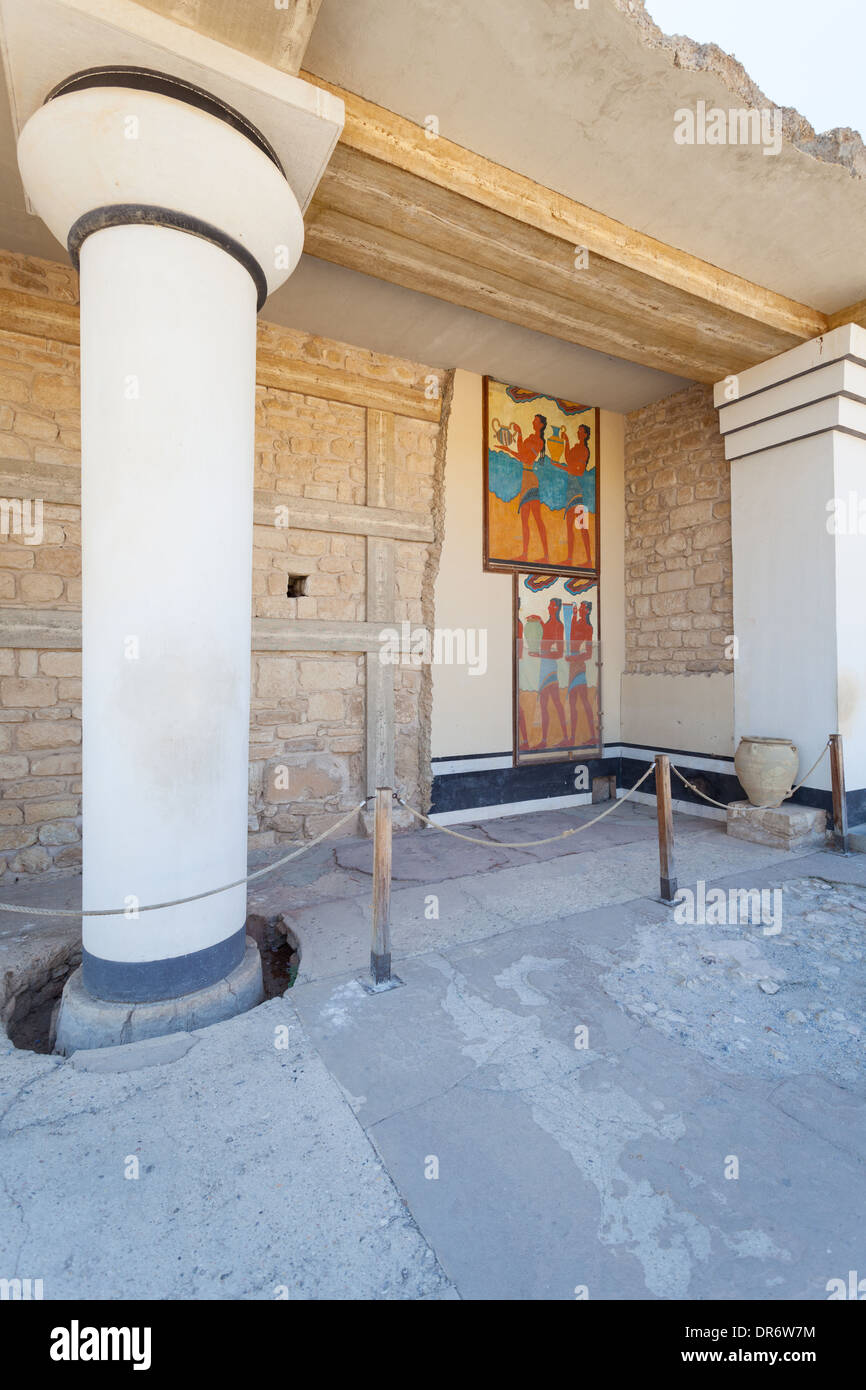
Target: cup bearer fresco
x=540 y=457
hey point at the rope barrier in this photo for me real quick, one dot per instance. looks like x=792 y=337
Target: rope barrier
x=287 y=858
x=524 y=844
x=425 y=820
x=724 y=805
x=194 y=897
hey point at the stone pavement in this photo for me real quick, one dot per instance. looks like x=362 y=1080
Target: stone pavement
x=555 y=1099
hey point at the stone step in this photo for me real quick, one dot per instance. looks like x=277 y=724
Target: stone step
x=783 y=827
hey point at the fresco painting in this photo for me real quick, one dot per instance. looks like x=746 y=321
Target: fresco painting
x=540 y=477
x=557 y=675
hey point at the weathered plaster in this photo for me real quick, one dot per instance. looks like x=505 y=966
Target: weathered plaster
x=842 y=145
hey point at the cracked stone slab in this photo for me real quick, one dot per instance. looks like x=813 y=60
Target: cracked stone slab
x=557 y=1166
x=253 y=1176
x=772 y=1002
x=149 y=1052
x=615 y=829
x=812 y=1099
x=423 y=855
x=437 y=911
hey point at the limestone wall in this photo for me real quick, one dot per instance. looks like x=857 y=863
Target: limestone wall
x=346 y=464
x=678 y=566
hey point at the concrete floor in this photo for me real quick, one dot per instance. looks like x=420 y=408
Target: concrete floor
x=555 y=1100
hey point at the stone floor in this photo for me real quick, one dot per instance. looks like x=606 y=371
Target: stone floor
x=571 y=1090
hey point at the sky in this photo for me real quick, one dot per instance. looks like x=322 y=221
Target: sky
x=803 y=53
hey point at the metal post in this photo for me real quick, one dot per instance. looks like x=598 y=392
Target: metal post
x=840 y=805
x=380 y=952
x=667 y=869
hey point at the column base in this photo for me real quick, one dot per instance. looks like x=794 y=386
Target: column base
x=86 y=1022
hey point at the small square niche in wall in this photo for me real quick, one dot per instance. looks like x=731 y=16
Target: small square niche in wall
x=297 y=586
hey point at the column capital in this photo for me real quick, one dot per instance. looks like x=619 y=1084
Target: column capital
x=122 y=145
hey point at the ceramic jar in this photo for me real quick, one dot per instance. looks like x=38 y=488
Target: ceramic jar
x=767 y=769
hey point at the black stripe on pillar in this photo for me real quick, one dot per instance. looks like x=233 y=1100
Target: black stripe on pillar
x=149 y=80
x=145 y=214
x=145 y=982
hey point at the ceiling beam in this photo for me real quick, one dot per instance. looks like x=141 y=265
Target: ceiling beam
x=398 y=143
x=854 y=313
x=42 y=317
x=277 y=34
x=379 y=220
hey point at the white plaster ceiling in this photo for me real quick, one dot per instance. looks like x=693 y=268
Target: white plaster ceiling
x=302 y=125
x=576 y=100
x=355 y=308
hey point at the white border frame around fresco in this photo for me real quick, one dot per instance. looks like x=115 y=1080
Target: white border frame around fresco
x=554 y=755
x=492 y=566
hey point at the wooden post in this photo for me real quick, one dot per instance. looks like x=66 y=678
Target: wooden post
x=840 y=805
x=380 y=952
x=667 y=870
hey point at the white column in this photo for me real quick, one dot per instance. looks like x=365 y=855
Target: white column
x=168 y=343
x=795 y=432
x=183 y=223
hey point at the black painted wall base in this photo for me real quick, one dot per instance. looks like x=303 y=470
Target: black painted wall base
x=460 y=791
x=467 y=791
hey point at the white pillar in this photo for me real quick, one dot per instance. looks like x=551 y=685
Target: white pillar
x=795 y=432
x=183 y=222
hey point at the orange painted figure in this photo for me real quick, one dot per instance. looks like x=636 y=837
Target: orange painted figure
x=522 y=731
x=552 y=649
x=529 y=450
x=576 y=461
x=580 y=643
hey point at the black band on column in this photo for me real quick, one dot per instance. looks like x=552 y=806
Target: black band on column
x=148 y=80
x=144 y=982
x=143 y=214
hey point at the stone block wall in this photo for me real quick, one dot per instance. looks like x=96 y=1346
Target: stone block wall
x=308 y=708
x=678 y=565
x=40 y=690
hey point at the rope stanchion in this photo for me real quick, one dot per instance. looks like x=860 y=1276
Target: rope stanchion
x=840 y=803
x=380 y=948
x=665 y=816
x=524 y=844
x=194 y=897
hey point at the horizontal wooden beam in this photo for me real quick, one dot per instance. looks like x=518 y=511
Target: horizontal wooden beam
x=37 y=316
x=277 y=33
x=344 y=518
x=287 y=373
x=59 y=629
x=50 y=629
x=55 y=483
x=391 y=225
x=52 y=482
x=313 y=635
x=398 y=142
x=854 y=313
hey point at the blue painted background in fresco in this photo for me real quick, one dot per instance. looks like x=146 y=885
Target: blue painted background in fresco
x=556 y=488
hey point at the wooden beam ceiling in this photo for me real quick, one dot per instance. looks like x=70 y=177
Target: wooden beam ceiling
x=37 y=315
x=276 y=33
x=854 y=313
x=434 y=217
